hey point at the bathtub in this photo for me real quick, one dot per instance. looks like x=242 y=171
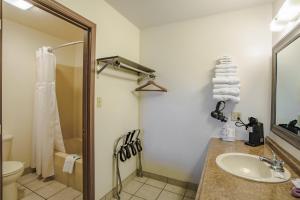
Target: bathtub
x=75 y=180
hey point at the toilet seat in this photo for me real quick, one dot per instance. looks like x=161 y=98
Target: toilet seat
x=11 y=167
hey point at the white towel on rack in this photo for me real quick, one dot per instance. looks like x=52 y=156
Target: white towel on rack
x=226 y=80
x=224 y=61
x=70 y=162
x=229 y=70
x=226 y=74
x=226 y=66
x=225 y=58
x=227 y=91
x=226 y=98
x=216 y=86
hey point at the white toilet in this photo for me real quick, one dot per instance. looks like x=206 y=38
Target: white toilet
x=11 y=170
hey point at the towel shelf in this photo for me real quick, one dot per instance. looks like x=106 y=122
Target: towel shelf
x=119 y=62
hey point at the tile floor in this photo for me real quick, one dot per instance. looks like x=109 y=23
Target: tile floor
x=31 y=188
x=150 y=189
x=137 y=189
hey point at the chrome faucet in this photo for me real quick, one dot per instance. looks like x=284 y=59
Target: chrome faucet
x=275 y=164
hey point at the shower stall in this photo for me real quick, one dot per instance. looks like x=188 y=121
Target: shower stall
x=69 y=100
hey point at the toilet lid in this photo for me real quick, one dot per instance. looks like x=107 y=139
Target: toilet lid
x=11 y=167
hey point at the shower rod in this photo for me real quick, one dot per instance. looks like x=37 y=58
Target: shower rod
x=65 y=45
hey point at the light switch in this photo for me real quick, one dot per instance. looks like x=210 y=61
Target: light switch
x=99 y=102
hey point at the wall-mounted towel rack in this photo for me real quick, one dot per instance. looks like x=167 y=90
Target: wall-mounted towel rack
x=119 y=62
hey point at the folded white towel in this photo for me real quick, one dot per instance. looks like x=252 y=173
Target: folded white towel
x=226 y=74
x=227 y=91
x=227 y=98
x=226 y=80
x=226 y=66
x=228 y=70
x=70 y=162
x=224 y=62
x=216 y=86
x=225 y=58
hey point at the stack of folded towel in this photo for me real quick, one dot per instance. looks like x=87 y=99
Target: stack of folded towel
x=226 y=81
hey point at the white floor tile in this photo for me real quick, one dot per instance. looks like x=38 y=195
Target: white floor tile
x=136 y=198
x=66 y=194
x=132 y=187
x=37 y=184
x=175 y=189
x=165 y=195
x=51 y=189
x=124 y=196
x=141 y=179
x=190 y=194
x=27 y=178
x=156 y=183
x=148 y=192
x=32 y=197
x=79 y=197
x=23 y=191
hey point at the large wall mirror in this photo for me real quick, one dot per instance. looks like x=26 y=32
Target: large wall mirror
x=286 y=88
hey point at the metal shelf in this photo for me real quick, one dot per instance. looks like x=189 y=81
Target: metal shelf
x=123 y=63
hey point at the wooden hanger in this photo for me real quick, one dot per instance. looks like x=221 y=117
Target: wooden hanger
x=161 y=89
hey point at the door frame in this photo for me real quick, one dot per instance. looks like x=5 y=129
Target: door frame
x=89 y=63
x=1 y=28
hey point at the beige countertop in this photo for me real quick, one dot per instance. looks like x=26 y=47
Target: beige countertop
x=217 y=184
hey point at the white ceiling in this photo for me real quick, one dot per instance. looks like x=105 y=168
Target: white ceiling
x=147 y=13
x=43 y=21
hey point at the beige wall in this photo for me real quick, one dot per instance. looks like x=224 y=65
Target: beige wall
x=120 y=111
x=184 y=55
x=19 y=46
x=77 y=97
x=276 y=37
x=69 y=100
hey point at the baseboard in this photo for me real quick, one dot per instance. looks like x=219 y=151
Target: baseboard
x=188 y=185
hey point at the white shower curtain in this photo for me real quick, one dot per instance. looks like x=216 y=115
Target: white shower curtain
x=46 y=135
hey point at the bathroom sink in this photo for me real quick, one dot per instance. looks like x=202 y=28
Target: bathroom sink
x=250 y=167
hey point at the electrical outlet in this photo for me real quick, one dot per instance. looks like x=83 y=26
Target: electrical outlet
x=235 y=116
x=99 y=102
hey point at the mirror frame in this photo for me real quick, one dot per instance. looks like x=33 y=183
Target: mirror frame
x=281 y=132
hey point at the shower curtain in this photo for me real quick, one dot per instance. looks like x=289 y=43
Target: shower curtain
x=46 y=135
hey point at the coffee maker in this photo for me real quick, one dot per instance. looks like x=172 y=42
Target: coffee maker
x=255 y=130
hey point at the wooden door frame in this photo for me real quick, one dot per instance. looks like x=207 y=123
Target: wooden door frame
x=1 y=24
x=89 y=62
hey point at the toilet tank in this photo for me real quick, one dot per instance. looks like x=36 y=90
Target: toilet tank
x=6 y=146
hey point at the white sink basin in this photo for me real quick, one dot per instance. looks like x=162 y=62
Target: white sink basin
x=250 y=167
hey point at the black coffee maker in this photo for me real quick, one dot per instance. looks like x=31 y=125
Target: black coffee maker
x=255 y=130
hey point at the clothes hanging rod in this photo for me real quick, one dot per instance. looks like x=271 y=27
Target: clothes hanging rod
x=120 y=62
x=65 y=45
